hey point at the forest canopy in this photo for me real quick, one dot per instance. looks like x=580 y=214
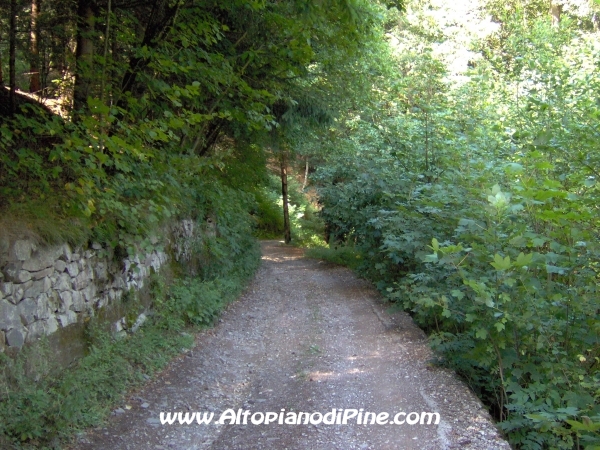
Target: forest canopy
x=147 y=104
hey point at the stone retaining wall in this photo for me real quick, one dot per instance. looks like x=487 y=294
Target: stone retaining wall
x=45 y=289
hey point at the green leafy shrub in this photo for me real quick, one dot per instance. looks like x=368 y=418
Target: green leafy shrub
x=269 y=216
x=509 y=305
x=475 y=208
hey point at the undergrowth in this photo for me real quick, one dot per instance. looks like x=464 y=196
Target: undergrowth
x=344 y=255
x=43 y=412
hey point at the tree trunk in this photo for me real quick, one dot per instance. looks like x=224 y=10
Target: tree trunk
x=105 y=56
x=426 y=141
x=12 y=56
x=284 y=193
x=114 y=73
x=305 y=176
x=555 y=11
x=34 y=62
x=1 y=74
x=84 y=56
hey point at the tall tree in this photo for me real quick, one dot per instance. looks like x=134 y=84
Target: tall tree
x=287 y=230
x=1 y=74
x=12 y=60
x=34 y=53
x=84 y=54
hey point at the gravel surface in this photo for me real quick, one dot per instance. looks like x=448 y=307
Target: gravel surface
x=306 y=336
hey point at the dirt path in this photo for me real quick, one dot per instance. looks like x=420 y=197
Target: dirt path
x=305 y=337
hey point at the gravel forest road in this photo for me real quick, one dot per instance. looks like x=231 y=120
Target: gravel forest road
x=306 y=336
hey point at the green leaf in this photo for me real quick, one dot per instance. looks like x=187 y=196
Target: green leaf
x=518 y=241
x=430 y=258
x=501 y=263
x=481 y=333
x=556 y=269
x=589 y=182
x=585 y=425
x=510 y=282
x=513 y=168
x=457 y=294
x=523 y=260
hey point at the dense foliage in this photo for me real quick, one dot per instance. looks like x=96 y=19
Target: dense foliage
x=165 y=106
x=472 y=199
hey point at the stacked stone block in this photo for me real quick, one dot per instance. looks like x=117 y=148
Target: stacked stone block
x=44 y=289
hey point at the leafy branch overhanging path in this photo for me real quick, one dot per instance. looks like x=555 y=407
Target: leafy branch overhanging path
x=306 y=336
